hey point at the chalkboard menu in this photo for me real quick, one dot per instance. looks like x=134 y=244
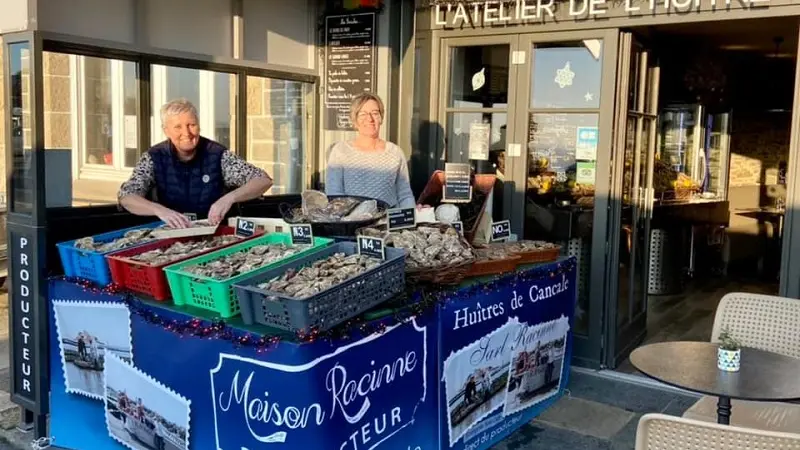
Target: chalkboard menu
x=349 y=65
x=457 y=182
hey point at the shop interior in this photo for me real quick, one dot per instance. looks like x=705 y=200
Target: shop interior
x=725 y=95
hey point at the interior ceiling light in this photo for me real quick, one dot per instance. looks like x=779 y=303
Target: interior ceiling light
x=740 y=47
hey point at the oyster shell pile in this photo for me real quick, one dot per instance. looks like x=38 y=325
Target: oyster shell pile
x=528 y=246
x=316 y=207
x=193 y=224
x=132 y=237
x=320 y=275
x=180 y=250
x=493 y=252
x=429 y=247
x=242 y=261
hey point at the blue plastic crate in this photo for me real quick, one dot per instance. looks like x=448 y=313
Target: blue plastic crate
x=328 y=308
x=93 y=265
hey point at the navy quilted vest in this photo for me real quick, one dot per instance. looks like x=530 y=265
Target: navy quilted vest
x=192 y=186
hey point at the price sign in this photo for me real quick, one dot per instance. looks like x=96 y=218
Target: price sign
x=501 y=230
x=245 y=228
x=191 y=216
x=401 y=218
x=459 y=226
x=457 y=183
x=371 y=246
x=301 y=234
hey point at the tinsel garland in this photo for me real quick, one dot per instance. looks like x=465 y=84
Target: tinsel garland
x=416 y=302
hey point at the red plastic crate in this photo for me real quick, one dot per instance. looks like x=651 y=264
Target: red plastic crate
x=150 y=280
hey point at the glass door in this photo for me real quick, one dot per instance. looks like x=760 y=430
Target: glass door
x=635 y=145
x=563 y=121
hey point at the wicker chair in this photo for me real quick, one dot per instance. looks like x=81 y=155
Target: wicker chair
x=662 y=432
x=764 y=322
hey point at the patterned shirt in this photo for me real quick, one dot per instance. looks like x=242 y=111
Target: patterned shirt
x=381 y=175
x=236 y=172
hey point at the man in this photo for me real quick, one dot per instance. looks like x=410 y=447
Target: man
x=190 y=174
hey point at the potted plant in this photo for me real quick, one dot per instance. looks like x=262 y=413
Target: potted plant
x=729 y=353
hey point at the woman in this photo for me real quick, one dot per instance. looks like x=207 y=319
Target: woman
x=190 y=174
x=368 y=166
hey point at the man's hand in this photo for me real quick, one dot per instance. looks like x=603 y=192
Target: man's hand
x=219 y=209
x=173 y=219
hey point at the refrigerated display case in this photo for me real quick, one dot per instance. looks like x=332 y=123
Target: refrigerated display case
x=695 y=142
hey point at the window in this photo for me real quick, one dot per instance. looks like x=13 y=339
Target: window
x=212 y=93
x=277 y=130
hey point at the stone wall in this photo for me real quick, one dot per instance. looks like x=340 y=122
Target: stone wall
x=57 y=101
x=759 y=143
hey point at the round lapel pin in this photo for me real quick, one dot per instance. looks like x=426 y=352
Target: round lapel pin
x=206 y=178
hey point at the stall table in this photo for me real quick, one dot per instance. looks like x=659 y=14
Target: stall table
x=479 y=360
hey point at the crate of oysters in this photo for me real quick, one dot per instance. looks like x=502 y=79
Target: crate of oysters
x=86 y=257
x=436 y=252
x=321 y=289
x=141 y=269
x=206 y=281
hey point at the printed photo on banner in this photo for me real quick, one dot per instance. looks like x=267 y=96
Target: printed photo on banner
x=85 y=331
x=142 y=413
x=536 y=364
x=476 y=377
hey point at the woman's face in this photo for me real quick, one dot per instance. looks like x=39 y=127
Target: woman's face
x=369 y=119
x=183 y=131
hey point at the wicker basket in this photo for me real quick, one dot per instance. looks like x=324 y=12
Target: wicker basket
x=539 y=256
x=448 y=275
x=494 y=266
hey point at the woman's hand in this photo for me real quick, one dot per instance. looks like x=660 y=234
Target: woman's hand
x=219 y=209
x=173 y=219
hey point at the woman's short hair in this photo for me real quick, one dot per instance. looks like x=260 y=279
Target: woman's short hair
x=360 y=100
x=175 y=108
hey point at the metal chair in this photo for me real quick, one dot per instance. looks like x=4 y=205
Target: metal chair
x=663 y=432
x=765 y=322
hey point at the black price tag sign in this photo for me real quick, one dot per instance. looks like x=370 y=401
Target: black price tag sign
x=459 y=226
x=191 y=216
x=457 y=183
x=401 y=218
x=371 y=246
x=501 y=230
x=245 y=228
x=301 y=234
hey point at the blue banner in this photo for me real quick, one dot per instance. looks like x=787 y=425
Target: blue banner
x=505 y=349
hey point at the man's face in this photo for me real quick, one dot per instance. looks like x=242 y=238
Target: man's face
x=183 y=131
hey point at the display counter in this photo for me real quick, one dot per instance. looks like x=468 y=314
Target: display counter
x=479 y=360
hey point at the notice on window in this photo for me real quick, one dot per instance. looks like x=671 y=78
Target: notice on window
x=131 y=138
x=586 y=144
x=586 y=171
x=479 y=134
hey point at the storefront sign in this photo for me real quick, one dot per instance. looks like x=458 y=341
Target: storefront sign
x=24 y=332
x=586 y=143
x=466 y=13
x=586 y=172
x=479 y=137
x=505 y=358
x=349 y=65
x=343 y=400
x=457 y=183
x=401 y=218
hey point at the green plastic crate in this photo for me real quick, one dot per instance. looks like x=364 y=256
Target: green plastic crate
x=219 y=295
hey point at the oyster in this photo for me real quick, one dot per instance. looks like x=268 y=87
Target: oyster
x=193 y=224
x=180 y=250
x=242 y=261
x=320 y=275
x=427 y=246
x=130 y=238
x=317 y=207
x=492 y=252
x=529 y=246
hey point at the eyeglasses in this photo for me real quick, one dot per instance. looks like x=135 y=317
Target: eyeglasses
x=363 y=115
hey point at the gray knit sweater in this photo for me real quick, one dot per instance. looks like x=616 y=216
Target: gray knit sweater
x=382 y=175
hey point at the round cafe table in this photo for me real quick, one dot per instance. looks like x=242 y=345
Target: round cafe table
x=763 y=376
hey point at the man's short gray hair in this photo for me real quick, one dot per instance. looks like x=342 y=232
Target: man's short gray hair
x=177 y=107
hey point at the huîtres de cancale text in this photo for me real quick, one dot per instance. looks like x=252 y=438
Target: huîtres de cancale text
x=497 y=12
x=466 y=317
x=349 y=400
